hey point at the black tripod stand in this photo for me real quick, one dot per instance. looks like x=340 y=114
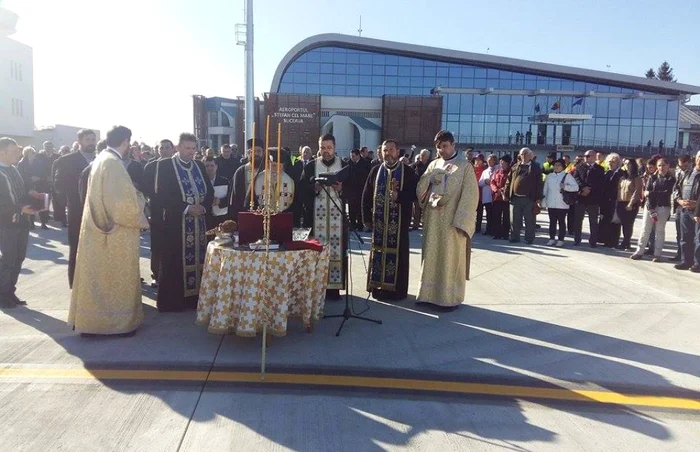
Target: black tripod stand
x=347 y=313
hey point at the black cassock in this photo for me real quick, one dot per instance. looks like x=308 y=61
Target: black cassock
x=181 y=184
x=66 y=182
x=149 y=189
x=389 y=257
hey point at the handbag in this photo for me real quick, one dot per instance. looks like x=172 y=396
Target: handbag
x=570 y=197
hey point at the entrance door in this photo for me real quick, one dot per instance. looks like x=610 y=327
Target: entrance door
x=541 y=133
x=566 y=134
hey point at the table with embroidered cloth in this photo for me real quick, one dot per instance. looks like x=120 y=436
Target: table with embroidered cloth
x=243 y=290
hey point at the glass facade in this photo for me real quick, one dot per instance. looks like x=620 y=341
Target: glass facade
x=475 y=118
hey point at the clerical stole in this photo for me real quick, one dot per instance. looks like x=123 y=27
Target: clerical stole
x=194 y=242
x=328 y=226
x=384 y=256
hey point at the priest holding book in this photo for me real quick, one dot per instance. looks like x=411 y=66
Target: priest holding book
x=328 y=225
x=448 y=194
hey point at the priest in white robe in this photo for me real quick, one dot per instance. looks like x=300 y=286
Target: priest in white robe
x=448 y=193
x=106 y=296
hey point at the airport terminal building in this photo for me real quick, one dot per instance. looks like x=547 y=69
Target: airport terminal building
x=363 y=90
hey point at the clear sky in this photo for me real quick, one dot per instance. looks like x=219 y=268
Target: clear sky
x=138 y=62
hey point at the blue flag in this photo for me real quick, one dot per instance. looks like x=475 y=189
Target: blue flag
x=537 y=108
x=579 y=101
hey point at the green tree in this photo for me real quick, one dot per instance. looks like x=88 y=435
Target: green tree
x=650 y=73
x=665 y=72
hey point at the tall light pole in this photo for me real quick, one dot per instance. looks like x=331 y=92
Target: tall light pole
x=247 y=42
x=249 y=71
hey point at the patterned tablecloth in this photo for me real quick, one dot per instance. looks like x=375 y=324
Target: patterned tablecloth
x=242 y=290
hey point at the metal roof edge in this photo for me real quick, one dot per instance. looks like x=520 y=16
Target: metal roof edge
x=458 y=56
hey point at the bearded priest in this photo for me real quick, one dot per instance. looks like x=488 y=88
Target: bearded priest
x=448 y=194
x=387 y=203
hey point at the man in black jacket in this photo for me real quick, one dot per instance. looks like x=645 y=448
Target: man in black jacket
x=608 y=201
x=15 y=210
x=227 y=163
x=67 y=177
x=689 y=210
x=590 y=178
x=354 y=186
x=419 y=166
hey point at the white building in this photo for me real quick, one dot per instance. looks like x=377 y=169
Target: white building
x=16 y=83
x=59 y=135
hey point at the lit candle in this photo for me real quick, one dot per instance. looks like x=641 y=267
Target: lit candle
x=267 y=159
x=279 y=164
x=252 y=171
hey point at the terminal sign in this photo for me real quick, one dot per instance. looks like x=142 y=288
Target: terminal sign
x=293 y=115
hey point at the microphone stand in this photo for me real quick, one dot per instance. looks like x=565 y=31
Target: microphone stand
x=347 y=313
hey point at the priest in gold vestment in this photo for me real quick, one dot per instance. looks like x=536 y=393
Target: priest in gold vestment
x=106 y=296
x=449 y=194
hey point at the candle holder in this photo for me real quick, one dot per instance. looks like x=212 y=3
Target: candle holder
x=267 y=210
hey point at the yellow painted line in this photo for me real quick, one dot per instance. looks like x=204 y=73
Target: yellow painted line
x=345 y=381
x=104 y=374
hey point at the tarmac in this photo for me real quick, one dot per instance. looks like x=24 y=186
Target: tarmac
x=553 y=349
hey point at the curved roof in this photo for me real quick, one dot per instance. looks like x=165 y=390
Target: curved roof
x=491 y=61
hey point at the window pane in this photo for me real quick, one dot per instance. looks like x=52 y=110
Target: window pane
x=614 y=108
x=404 y=81
x=377 y=91
x=391 y=81
x=353 y=68
x=339 y=79
x=353 y=57
x=516 y=105
x=312 y=77
x=365 y=58
x=352 y=79
x=466 y=103
x=377 y=70
x=352 y=90
x=638 y=108
x=443 y=72
x=649 y=108
x=661 y=106
x=327 y=78
x=430 y=71
x=479 y=106
x=504 y=105
x=392 y=59
x=326 y=68
x=378 y=80
x=338 y=90
x=391 y=70
x=378 y=59
x=404 y=71
x=365 y=80
x=491 y=105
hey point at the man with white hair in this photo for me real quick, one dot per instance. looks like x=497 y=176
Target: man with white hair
x=524 y=192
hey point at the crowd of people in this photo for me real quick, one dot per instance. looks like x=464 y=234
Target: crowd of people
x=610 y=190
x=114 y=189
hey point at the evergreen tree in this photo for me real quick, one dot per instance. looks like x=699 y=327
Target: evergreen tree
x=665 y=72
x=650 y=73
